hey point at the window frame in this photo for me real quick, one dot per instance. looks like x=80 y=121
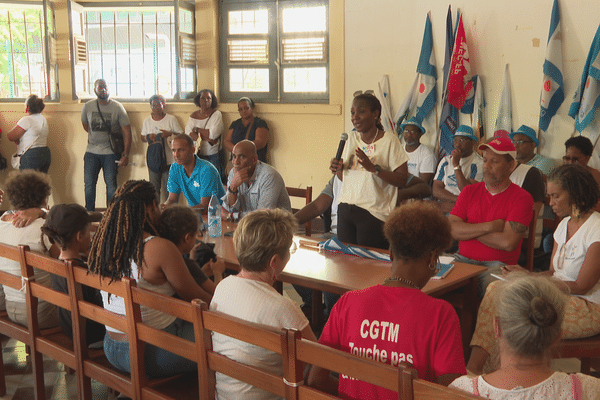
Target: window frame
x=179 y=96
x=47 y=6
x=275 y=66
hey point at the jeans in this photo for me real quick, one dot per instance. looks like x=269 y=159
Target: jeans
x=92 y=164
x=216 y=160
x=159 y=180
x=485 y=278
x=159 y=363
x=37 y=158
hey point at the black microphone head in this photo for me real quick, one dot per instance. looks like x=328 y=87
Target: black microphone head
x=344 y=136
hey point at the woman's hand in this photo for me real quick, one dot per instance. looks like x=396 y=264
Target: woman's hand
x=337 y=167
x=364 y=160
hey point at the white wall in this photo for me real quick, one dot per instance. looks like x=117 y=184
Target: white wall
x=387 y=40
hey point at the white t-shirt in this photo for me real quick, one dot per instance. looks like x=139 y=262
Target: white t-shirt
x=168 y=123
x=556 y=387
x=421 y=161
x=256 y=302
x=214 y=124
x=569 y=256
x=472 y=168
x=36 y=132
x=31 y=236
x=364 y=189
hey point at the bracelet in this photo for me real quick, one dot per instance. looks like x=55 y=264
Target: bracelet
x=457 y=168
x=125 y=155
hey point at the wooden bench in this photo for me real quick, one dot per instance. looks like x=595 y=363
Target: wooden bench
x=402 y=379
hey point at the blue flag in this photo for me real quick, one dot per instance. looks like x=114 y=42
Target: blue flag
x=553 y=92
x=587 y=96
x=449 y=118
x=467 y=108
x=427 y=93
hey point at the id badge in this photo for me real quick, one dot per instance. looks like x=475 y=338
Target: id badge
x=369 y=149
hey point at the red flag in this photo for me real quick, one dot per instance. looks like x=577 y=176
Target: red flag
x=459 y=82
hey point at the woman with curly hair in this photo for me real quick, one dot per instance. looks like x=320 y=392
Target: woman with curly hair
x=395 y=321
x=575 y=264
x=127 y=244
x=26 y=190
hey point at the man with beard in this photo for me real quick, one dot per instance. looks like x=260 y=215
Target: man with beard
x=100 y=116
x=421 y=160
x=461 y=168
x=491 y=217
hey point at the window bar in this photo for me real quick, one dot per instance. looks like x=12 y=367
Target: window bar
x=13 y=82
x=129 y=49
x=101 y=50
x=27 y=52
x=115 y=45
x=155 y=61
x=143 y=49
x=177 y=93
x=278 y=55
x=44 y=33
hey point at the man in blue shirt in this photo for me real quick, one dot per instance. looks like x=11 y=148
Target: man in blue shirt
x=196 y=178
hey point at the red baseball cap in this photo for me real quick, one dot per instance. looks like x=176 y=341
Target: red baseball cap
x=501 y=145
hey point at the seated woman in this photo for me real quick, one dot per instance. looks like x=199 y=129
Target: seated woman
x=527 y=322
x=575 y=263
x=69 y=227
x=248 y=127
x=262 y=243
x=25 y=190
x=126 y=244
x=579 y=150
x=406 y=324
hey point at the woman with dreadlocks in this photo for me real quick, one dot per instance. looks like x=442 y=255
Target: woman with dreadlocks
x=126 y=244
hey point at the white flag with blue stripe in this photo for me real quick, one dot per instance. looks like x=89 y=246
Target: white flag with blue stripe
x=427 y=93
x=587 y=96
x=553 y=92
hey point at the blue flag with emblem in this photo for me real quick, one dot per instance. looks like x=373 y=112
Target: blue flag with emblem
x=587 y=96
x=553 y=92
x=426 y=69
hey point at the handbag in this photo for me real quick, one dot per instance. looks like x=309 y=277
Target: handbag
x=156 y=157
x=15 y=160
x=116 y=140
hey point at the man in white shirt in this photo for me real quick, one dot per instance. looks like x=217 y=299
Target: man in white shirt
x=461 y=168
x=421 y=160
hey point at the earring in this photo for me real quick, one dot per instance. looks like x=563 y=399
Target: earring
x=575 y=211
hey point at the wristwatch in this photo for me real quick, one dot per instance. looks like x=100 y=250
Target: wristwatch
x=457 y=168
x=377 y=169
x=231 y=191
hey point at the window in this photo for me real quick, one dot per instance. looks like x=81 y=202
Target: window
x=28 y=62
x=139 y=50
x=274 y=51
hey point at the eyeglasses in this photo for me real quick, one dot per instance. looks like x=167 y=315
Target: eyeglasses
x=520 y=142
x=567 y=159
x=414 y=132
x=359 y=92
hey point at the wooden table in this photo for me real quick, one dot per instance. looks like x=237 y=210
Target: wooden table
x=327 y=271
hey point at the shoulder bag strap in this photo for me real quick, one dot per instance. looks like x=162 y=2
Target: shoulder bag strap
x=250 y=125
x=102 y=116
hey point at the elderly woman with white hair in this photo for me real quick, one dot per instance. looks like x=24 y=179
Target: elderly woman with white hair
x=527 y=322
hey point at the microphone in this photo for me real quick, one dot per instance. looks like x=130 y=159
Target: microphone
x=340 y=149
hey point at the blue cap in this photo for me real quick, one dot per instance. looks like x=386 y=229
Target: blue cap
x=415 y=122
x=467 y=131
x=527 y=131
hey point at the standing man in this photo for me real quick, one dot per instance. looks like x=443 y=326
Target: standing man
x=421 y=160
x=461 y=168
x=253 y=184
x=525 y=142
x=98 y=117
x=198 y=179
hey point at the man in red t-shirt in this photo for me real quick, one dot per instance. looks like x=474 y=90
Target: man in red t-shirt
x=491 y=217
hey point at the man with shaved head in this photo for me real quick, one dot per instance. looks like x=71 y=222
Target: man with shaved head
x=252 y=184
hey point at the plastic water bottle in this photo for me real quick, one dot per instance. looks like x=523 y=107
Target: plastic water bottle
x=215 y=226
